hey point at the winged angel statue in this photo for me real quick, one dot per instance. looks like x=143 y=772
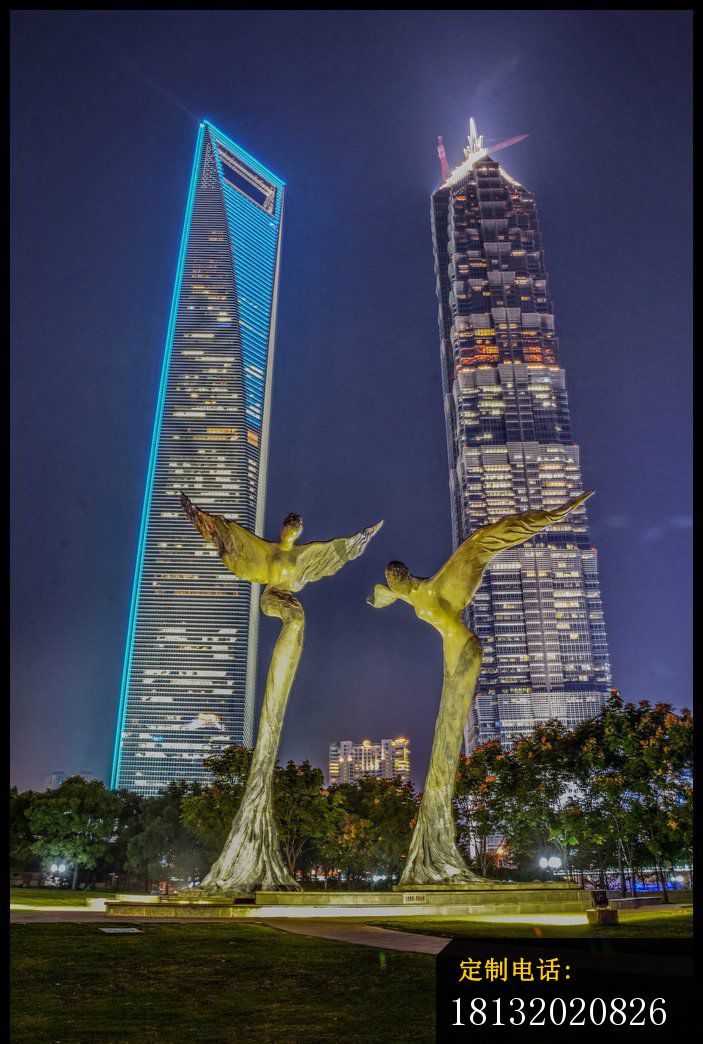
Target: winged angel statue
x=251 y=858
x=433 y=858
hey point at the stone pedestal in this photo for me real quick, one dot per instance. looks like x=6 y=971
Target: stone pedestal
x=472 y=901
x=602 y=916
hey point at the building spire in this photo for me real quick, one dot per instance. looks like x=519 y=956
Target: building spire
x=475 y=142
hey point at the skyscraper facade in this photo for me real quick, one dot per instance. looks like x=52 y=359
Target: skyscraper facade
x=189 y=669
x=385 y=760
x=538 y=612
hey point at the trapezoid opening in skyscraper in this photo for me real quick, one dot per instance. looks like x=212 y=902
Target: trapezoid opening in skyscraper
x=190 y=661
x=538 y=612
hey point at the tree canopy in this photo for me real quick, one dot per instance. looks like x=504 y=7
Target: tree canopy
x=615 y=793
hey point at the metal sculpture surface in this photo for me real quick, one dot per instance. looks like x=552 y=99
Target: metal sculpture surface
x=433 y=858
x=251 y=858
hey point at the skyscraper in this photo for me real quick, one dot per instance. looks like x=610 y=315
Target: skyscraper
x=538 y=612
x=189 y=669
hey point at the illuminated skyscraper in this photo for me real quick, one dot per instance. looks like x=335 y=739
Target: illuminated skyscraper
x=385 y=760
x=189 y=670
x=538 y=612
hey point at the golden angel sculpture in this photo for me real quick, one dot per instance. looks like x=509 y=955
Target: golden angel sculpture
x=251 y=858
x=433 y=858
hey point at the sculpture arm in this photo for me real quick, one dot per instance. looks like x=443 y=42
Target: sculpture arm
x=325 y=558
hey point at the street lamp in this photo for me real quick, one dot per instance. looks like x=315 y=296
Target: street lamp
x=551 y=862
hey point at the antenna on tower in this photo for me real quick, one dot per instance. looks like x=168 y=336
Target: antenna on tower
x=506 y=144
x=446 y=170
x=475 y=142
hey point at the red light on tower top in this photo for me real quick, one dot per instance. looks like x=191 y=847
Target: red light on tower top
x=446 y=170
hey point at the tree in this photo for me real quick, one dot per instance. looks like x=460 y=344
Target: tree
x=483 y=782
x=541 y=790
x=76 y=823
x=634 y=765
x=207 y=811
x=130 y=822
x=300 y=807
x=299 y=804
x=21 y=836
x=369 y=827
x=163 y=846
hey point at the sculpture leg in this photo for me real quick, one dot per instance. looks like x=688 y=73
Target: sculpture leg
x=433 y=857
x=251 y=858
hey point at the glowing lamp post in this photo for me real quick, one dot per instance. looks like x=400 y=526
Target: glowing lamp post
x=550 y=862
x=58 y=868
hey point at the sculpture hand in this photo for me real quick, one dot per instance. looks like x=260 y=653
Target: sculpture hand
x=245 y=554
x=381 y=597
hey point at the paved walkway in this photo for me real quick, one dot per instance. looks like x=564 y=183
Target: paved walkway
x=73 y=916
x=362 y=934
x=342 y=930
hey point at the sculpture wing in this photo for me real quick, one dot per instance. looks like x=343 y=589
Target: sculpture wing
x=245 y=554
x=325 y=558
x=458 y=579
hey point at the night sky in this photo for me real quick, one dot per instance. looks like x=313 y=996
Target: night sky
x=346 y=108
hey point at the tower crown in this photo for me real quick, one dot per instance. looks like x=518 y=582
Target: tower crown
x=474 y=147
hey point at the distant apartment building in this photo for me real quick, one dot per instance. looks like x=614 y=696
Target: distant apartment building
x=349 y=761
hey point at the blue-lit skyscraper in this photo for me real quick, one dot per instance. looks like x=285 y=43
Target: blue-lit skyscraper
x=189 y=670
x=538 y=612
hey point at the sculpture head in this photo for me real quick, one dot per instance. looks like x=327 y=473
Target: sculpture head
x=291 y=529
x=399 y=578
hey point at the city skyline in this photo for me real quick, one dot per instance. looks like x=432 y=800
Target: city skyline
x=538 y=612
x=188 y=685
x=347 y=106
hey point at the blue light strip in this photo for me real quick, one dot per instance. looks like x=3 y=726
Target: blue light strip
x=244 y=155
x=117 y=757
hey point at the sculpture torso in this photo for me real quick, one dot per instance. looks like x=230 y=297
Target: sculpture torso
x=433 y=609
x=282 y=567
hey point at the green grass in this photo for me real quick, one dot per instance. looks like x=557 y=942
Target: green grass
x=645 y=923
x=212 y=983
x=54 y=896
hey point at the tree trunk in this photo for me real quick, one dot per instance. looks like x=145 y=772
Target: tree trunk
x=75 y=876
x=662 y=877
x=621 y=868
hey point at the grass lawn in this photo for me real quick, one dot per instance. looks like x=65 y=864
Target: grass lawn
x=212 y=983
x=54 y=896
x=647 y=922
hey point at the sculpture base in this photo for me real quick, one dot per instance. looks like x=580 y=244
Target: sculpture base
x=470 y=901
x=483 y=885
